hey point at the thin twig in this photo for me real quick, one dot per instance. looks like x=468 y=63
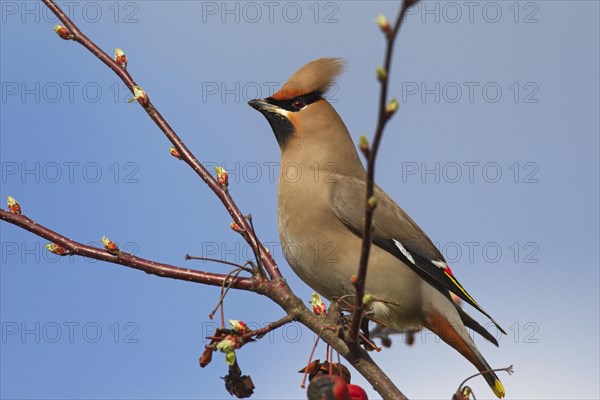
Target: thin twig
x=368 y=221
x=218 y=260
x=271 y=327
x=259 y=266
x=509 y=370
x=369 y=342
x=223 y=294
x=310 y=356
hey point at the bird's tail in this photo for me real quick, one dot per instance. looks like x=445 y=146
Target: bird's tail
x=458 y=337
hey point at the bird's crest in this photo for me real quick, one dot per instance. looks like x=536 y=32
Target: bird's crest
x=316 y=76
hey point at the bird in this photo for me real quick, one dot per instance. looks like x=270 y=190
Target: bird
x=321 y=208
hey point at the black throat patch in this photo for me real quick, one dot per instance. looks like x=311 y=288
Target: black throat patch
x=282 y=126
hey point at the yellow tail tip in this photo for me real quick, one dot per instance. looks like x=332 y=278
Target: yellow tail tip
x=498 y=389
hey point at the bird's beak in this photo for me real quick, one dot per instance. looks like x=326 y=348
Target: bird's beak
x=262 y=105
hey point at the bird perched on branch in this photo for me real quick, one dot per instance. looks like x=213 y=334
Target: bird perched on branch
x=320 y=217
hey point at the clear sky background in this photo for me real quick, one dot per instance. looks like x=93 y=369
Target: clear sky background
x=494 y=152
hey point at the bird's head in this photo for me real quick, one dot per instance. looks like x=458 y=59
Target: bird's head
x=299 y=114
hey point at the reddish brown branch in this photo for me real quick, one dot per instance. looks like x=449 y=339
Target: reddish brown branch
x=383 y=118
x=186 y=154
x=271 y=327
x=278 y=291
x=128 y=260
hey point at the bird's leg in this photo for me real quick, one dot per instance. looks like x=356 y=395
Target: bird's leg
x=365 y=338
x=364 y=327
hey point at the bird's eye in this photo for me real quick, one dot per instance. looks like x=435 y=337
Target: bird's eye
x=298 y=103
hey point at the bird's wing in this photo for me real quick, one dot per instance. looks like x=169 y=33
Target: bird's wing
x=396 y=232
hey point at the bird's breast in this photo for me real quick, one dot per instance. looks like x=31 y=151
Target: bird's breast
x=325 y=254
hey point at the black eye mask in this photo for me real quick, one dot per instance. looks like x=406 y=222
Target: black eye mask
x=297 y=103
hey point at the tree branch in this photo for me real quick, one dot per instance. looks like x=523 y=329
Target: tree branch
x=271 y=327
x=351 y=351
x=128 y=260
x=384 y=116
x=186 y=154
x=275 y=288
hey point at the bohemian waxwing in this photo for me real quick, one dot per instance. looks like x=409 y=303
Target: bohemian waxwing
x=320 y=218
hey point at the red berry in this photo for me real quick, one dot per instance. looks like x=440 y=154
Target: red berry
x=328 y=387
x=356 y=392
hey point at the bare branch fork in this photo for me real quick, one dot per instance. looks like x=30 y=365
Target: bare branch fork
x=386 y=110
x=273 y=285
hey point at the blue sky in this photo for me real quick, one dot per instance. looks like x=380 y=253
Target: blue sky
x=494 y=152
